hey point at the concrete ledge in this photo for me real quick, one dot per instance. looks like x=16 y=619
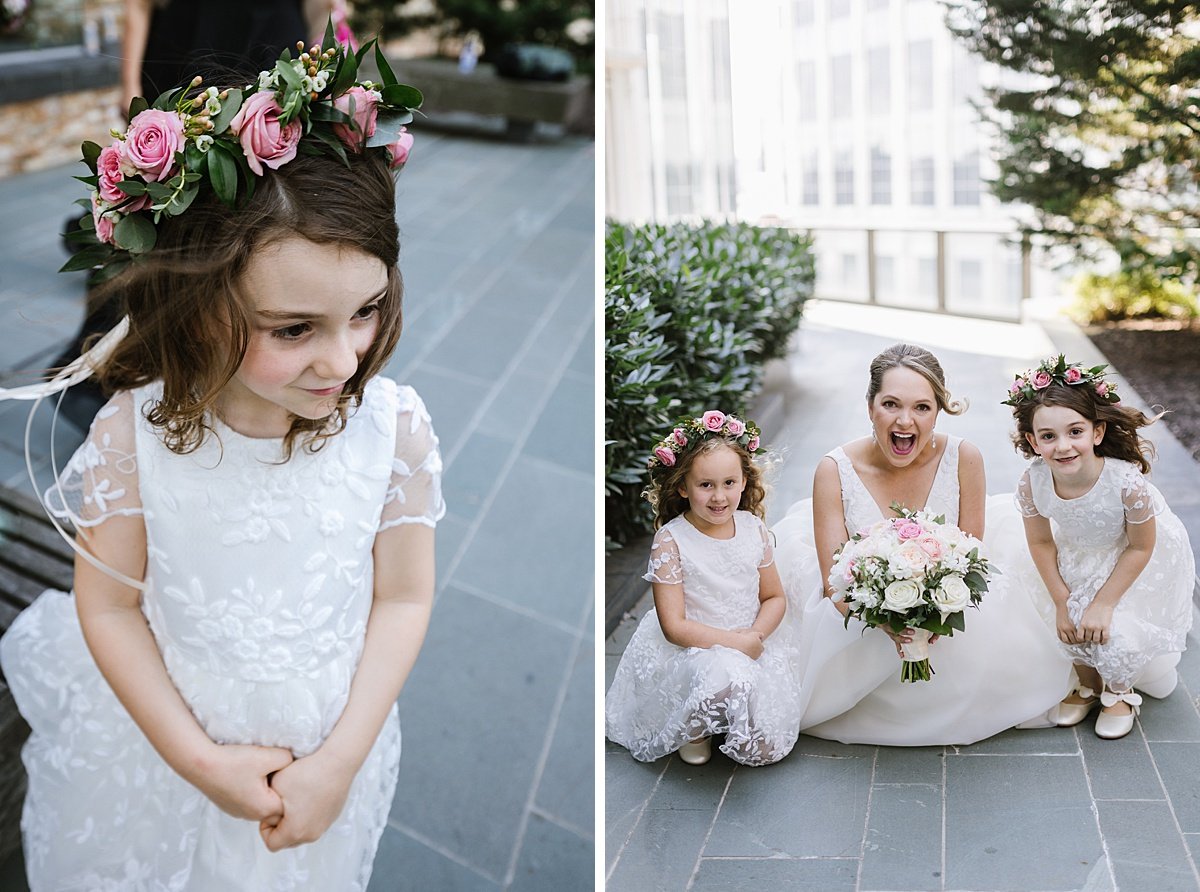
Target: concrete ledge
x=483 y=92
x=35 y=74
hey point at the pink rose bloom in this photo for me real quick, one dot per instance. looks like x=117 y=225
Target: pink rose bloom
x=753 y=444
x=1041 y=380
x=153 y=138
x=108 y=169
x=931 y=545
x=364 y=114
x=679 y=437
x=264 y=140
x=1074 y=376
x=908 y=529
x=665 y=455
x=1016 y=387
x=735 y=426
x=713 y=420
x=400 y=148
x=104 y=223
x=1102 y=388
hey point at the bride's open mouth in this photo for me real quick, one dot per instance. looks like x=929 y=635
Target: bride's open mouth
x=903 y=444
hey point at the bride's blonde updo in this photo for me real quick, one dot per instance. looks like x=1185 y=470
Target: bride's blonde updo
x=921 y=361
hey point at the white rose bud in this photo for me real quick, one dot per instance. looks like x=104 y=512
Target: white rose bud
x=952 y=594
x=901 y=595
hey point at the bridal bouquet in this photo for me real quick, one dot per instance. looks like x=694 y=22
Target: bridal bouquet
x=914 y=571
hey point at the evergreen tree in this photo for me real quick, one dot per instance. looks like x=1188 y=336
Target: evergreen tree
x=1100 y=129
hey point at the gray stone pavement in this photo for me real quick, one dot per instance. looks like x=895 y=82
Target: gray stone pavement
x=1053 y=809
x=497 y=251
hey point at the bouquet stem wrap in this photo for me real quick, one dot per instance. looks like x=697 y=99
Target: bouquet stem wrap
x=915 y=655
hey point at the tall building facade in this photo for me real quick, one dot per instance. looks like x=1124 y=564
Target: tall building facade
x=851 y=118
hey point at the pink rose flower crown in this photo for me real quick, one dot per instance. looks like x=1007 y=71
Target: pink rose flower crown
x=689 y=433
x=194 y=139
x=1056 y=370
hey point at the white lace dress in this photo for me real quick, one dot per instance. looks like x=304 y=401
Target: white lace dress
x=1006 y=668
x=664 y=695
x=1154 y=615
x=259 y=579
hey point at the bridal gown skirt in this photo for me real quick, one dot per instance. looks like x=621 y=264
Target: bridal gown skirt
x=1005 y=669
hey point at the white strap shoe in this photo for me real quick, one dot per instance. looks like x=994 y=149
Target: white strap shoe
x=1114 y=727
x=1070 y=714
x=696 y=752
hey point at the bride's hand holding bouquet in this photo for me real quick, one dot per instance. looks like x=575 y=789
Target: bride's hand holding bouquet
x=912 y=571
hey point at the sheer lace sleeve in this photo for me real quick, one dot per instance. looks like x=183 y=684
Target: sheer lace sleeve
x=101 y=479
x=415 y=492
x=768 y=555
x=1024 y=497
x=1142 y=500
x=664 y=565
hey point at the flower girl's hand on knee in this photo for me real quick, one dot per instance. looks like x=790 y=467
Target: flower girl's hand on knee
x=749 y=642
x=1094 y=624
x=235 y=778
x=314 y=791
x=1067 y=632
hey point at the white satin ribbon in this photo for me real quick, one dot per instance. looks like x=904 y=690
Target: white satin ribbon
x=79 y=369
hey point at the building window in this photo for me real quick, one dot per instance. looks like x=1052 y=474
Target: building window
x=879 y=79
x=840 y=95
x=885 y=276
x=804 y=12
x=719 y=35
x=843 y=179
x=679 y=189
x=920 y=75
x=849 y=270
x=673 y=69
x=920 y=181
x=810 y=183
x=839 y=9
x=806 y=90
x=881 y=176
x=967 y=186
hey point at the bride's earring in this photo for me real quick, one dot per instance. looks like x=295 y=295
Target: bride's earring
x=933 y=441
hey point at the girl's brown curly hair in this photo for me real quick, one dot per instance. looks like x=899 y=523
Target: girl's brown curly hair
x=663 y=492
x=190 y=319
x=1121 y=423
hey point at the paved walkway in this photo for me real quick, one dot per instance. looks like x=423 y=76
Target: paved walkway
x=1053 y=809
x=498 y=259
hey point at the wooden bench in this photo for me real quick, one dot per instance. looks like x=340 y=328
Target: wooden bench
x=33 y=557
x=522 y=103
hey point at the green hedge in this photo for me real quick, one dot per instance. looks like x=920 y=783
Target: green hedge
x=691 y=315
x=1131 y=294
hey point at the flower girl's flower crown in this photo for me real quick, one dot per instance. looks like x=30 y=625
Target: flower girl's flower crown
x=193 y=139
x=689 y=433
x=1056 y=370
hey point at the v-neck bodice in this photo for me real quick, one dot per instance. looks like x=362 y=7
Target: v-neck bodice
x=860 y=508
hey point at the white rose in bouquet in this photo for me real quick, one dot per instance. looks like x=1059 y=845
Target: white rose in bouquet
x=901 y=595
x=952 y=594
x=908 y=560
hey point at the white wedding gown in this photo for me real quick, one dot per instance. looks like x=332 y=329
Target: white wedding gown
x=1006 y=668
x=259 y=581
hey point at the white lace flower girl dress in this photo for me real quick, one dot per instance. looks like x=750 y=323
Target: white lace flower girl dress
x=1006 y=668
x=259 y=576
x=664 y=695
x=1151 y=621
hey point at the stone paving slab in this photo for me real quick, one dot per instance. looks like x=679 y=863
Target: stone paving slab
x=1049 y=810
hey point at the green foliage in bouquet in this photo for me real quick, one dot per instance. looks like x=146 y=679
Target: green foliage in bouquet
x=691 y=315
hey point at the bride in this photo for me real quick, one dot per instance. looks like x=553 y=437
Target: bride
x=1005 y=669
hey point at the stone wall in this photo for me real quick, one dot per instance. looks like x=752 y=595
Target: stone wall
x=46 y=132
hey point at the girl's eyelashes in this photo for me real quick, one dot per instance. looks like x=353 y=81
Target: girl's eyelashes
x=291 y=332
x=299 y=329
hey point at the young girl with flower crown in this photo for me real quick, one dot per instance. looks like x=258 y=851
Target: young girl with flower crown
x=714 y=655
x=213 y=706
x=1114 y=558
